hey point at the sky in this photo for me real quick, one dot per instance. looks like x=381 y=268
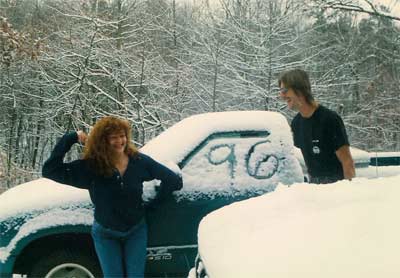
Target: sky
x=393 y=5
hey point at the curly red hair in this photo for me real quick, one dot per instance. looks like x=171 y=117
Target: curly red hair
x=97 y=149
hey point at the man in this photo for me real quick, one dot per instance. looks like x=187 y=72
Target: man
x=317 y=131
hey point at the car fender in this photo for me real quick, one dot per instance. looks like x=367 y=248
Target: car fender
x=53 y=222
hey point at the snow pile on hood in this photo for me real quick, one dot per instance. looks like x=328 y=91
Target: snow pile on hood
x=38 y=194
x=344 y=229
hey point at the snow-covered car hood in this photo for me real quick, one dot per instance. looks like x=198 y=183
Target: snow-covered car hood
x=344 y=229
x=39 y=204
x=39 y=194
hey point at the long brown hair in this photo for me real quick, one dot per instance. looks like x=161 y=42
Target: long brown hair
x=97 y=149
x=299 y=81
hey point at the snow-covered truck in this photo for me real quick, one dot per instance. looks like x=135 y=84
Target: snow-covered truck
x=223 y=157
x=345 y=229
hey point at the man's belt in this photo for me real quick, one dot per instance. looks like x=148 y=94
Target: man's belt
x=324 y=179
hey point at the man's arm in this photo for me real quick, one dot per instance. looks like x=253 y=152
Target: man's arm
x=344 y=156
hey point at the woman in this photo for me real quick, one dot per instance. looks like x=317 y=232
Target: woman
x=113 y=171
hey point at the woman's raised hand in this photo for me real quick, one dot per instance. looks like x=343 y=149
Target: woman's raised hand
x=82 y=136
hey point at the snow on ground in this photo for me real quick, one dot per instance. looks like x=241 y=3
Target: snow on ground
x=344 y=229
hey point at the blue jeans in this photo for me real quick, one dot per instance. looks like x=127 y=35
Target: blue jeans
x=121 y=254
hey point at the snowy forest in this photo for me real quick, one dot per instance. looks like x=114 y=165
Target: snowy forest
x=65 y=63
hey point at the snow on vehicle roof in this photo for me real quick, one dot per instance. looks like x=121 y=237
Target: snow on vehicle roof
x=385 y=154
x=360 y=156
x=344 y=229
x=180 y=140
x=377 y=171
x=176 y=142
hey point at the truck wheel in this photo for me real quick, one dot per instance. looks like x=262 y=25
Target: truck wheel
x=67 y=264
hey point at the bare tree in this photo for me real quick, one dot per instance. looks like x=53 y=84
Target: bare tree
x=362 y=6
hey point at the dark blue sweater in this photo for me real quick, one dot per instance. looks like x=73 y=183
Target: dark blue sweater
x=117 y=199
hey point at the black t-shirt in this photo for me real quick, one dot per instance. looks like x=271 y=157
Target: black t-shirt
x=319 y=137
